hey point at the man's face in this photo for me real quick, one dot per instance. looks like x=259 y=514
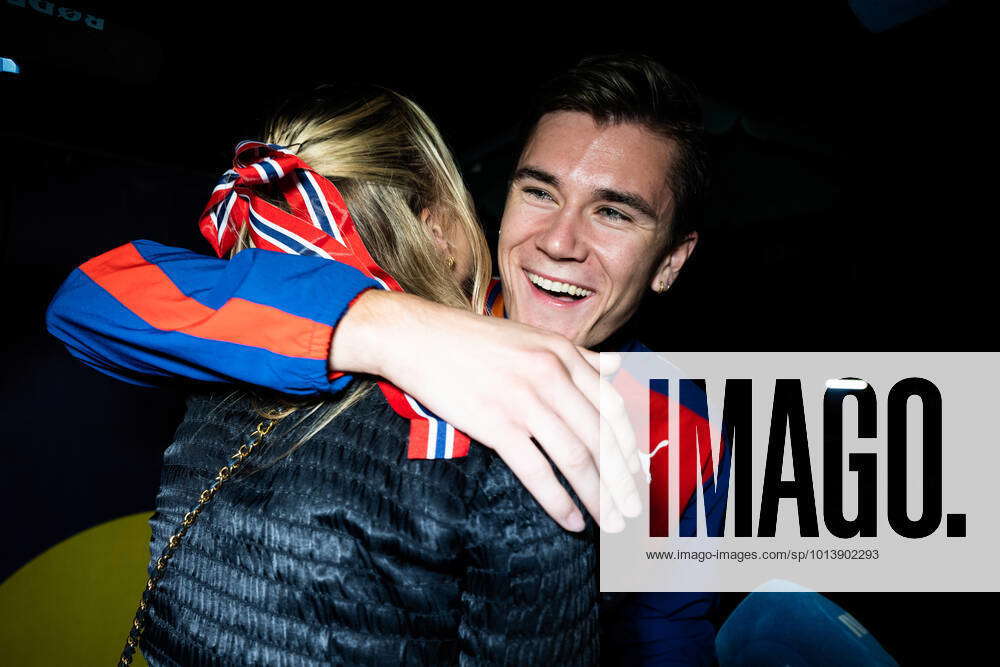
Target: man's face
x=585 y=226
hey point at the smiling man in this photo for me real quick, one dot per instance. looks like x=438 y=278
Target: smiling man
x=586 y=228
x=600 y=209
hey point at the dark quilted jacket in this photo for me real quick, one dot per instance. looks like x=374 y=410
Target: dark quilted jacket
x=346 y=552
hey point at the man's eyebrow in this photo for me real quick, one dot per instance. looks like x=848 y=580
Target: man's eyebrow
x=536 y=174
x=628 y=199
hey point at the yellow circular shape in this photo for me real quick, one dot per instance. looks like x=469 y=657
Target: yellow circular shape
x=74 y=604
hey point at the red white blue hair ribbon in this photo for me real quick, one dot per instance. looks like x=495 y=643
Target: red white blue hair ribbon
x=320 y=225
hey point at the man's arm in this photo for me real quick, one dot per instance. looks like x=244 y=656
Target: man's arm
x=146 y=312
x=526 y=393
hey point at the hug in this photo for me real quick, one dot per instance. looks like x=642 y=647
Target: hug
x=364 y=474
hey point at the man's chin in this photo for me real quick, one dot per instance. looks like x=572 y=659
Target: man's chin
x=571 y=329
x=573 y=322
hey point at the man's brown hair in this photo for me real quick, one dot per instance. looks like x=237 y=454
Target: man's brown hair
x=626 y=88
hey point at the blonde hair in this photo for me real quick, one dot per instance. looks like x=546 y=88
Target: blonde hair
x=389 y=162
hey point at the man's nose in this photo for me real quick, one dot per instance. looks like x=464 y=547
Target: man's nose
x=563 y=238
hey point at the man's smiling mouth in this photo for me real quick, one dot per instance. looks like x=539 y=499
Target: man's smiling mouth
x=560 y=290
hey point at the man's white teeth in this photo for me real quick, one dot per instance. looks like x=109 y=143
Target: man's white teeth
x=553 y=286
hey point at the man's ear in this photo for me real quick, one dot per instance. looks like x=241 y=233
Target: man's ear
x=670 y=265
x=433 y=228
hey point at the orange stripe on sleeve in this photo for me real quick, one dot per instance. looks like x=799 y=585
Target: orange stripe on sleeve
x=148 y=292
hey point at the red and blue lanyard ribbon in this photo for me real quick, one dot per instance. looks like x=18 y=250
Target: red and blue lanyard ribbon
x=319 y=224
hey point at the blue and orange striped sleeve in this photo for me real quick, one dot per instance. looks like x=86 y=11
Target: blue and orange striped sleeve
x=146 y=313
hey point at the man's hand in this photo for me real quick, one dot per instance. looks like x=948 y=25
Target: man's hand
x=507 y=385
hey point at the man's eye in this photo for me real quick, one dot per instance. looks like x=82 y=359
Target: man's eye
x=537 y=193
x=613 y=214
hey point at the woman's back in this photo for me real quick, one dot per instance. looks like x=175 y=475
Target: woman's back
x=347 y=552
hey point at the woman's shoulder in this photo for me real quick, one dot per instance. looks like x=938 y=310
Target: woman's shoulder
x=527 y=567
x=234 y=414
x=366 y=440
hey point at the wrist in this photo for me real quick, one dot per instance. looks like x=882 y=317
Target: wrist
x=354 y=347
x=372 y=332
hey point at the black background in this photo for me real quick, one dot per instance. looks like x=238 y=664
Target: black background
x=843 y=214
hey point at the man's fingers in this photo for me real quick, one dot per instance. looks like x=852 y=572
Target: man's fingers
x=611 y=518
x=591 y=428
x=609 y=363
x=567 y=399
x=536 y=474
x=592 y=358
x=577 y=464
x=615 y=475
x=614 y=412
x=586 y=378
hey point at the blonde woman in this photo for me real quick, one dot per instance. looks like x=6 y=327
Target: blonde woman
x=327 y=543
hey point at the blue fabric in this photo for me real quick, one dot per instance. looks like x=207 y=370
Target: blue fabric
x=311 y=287
x=798 y=629
x=345 y=552
x=105 y=335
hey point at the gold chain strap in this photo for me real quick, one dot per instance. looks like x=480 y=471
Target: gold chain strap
x=138 y=623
